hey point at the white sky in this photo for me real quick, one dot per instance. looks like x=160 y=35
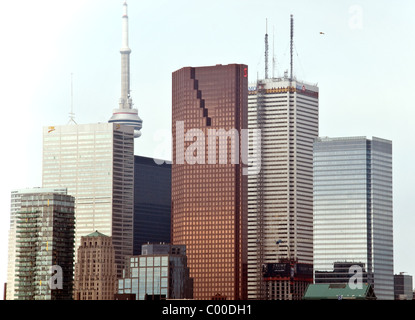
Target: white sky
x=363 y=64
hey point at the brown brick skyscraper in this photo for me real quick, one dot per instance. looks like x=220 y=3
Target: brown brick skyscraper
x=95 y=270
x=209 y=187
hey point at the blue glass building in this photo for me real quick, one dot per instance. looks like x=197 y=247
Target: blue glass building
x=152 y=202
x=353 y=210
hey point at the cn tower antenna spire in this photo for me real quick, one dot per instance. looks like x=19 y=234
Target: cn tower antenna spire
x=125 y=114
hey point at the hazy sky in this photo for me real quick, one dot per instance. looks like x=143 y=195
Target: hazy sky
x=363 y=64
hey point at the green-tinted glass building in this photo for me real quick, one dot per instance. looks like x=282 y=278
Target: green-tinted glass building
x=45 y=235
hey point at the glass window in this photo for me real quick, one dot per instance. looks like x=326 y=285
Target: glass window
x=149 y=261
x=157 y=261
x=134 y=285
x=142 y=261
x=134 y=272
x=164 y=261
x=164 y=271
x=127 y=283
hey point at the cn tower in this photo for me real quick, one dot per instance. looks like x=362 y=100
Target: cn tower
x=125 y=114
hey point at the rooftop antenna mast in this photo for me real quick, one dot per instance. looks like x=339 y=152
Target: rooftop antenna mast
x=266 y=49
x=291 y=47
x=72 y=114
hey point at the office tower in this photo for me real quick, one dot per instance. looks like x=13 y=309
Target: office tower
x=15 y=207
x=353 y=209
x=403 y=287
x=44 y=246
x=159 y=273
x=152 y=202
x=126 y=114
x=209 y=187
x=280 y=193
x=95 y=162
x=95 y=269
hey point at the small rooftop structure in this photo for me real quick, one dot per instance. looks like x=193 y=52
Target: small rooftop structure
x=96 y=234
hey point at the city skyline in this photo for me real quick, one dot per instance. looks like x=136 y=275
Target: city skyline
x=354 y=68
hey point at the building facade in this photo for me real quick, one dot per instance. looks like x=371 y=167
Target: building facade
x=209 y=186
x=403 y=287
x=95 y=269
x=159 y=273
x=353 y=214
x=45 y=231
x=152 y=202
x=15 y=207
x=95 y=162
x=280 y=185
x=287 y=279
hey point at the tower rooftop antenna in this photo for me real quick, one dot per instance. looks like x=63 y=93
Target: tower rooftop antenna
x=266 y=49
x=291 y=46
x=72 y=114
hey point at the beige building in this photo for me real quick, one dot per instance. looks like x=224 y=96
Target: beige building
x=95 y=269
x=95 y=162
x=280 y=195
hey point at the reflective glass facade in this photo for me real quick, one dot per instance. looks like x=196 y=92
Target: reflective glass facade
x=45 y=232
x=353 y=208
x=209 y=209
x=160 y=272
x=152 y=202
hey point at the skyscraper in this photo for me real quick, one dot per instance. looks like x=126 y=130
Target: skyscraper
x=95 y=269
x=44 y=245
x=152 y=202
x=353 y=220
x=95 y=162
x=280 y=193
x=16 y=203
x=209 y=187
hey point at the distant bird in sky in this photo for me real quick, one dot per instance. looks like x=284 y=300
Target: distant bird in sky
x=322 y=32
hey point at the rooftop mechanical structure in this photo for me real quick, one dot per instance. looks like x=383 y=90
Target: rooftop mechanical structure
x=126 y=114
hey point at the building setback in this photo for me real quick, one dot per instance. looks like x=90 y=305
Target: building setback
x=44 y=246
x=280 y=185
x=95 y=162
x=208 y=185
x=353 y=214
x=95 y=269
x=152 y=202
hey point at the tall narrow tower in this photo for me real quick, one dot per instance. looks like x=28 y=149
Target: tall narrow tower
x=125 y=114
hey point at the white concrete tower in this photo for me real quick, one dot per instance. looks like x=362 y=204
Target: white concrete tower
x=126 y=114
